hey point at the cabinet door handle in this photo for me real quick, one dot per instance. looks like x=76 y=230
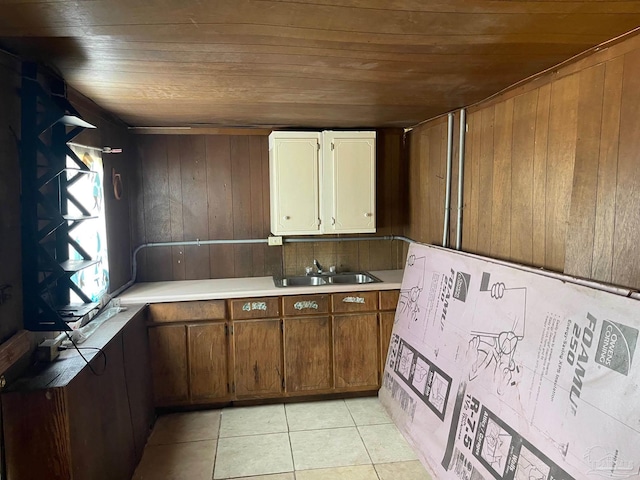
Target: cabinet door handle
x=368 y=214
x=333 y=220
x=286 y=217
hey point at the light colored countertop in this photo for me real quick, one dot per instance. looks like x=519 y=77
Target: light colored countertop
x=215 y=289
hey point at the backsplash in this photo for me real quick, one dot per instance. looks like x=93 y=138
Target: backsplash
x=345 y=256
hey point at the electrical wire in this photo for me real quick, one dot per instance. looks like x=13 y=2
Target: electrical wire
x=104 y=369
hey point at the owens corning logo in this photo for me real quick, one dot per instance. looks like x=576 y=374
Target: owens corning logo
x=462 y=286
x=616 y=346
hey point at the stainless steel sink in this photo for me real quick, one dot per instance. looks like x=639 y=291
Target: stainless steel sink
x=353 y=278
x=347 y=278
x=300 y=281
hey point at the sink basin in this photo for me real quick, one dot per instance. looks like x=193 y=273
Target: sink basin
x=353 y=278
x=300 y=281
x=347 y=278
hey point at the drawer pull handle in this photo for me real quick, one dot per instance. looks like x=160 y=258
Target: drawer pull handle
x=247 y=307
x=305 y=304
x=353 y=300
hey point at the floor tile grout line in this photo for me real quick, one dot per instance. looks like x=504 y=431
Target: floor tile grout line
x=286 y=417
x=388 y=421
x=376 y=471
x=322 y=428
x=350 y=413
x=365 y=446
x=215 y=457
x=293 y=460
x=181 y=442
x=256 y=434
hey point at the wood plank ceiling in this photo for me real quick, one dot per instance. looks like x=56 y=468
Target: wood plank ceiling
x=304 y=63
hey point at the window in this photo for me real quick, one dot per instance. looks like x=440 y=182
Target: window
x=87 y=225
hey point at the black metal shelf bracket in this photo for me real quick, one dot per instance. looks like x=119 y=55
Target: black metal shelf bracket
x=49 y=122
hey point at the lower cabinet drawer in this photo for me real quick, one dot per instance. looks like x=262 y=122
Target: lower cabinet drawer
x=299 y=305
x=187 y=311
x=354 y=302
x=246 y=308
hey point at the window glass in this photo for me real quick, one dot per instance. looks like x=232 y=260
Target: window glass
x=89 y=232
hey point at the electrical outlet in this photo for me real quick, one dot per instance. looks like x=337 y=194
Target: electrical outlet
x=274 y=241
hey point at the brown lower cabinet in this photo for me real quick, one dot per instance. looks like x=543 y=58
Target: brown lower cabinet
x=386 y=327
x=388 y=304
x=208 y=362
x=257 y=357
x=188 y=343
x=307 y=354
x=269 y=347
x=355 y=343
x=189 y=363
x=168 y=349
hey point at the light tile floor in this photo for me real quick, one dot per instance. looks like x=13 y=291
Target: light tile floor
x=350 y=439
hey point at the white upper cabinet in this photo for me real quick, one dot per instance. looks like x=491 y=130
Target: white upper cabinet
x=349 y=182
x=322 y=182
x=294 y=177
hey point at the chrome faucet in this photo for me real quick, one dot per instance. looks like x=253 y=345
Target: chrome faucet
x=317 y=265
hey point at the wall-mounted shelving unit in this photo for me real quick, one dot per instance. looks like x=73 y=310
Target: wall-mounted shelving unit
x=49 y=122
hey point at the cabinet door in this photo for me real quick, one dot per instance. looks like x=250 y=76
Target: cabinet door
x=168 y=350
x=307 y=354
x=294 y=182
x=386 y=327
x=257 y=352
x=355 y=350
x=208 y=367
x=349 y=182
x=389 y=299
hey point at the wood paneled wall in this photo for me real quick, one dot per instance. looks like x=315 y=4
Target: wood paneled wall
x=217 y=187
x=10 y=246
x=204 y=187
x=552 y=174
x=427 y=181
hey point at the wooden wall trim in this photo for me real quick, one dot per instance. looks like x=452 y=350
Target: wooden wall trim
x=199 y=131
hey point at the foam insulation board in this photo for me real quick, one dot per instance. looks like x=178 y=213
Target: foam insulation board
x=495 y=372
